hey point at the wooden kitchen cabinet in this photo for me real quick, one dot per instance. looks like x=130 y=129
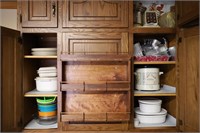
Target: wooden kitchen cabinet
x=87 y=13
x=187 y=11
x=41 y=13
x=96 y=67
x=188 y=81
x=94 y=89
x=168 y=97
x=19 y=70
x=11 y=79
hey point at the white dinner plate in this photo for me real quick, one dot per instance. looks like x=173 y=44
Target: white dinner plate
x=44 y=49
x=44 y=53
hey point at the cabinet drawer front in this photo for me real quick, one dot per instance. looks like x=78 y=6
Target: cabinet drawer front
x=87 y=13
x=95 y=43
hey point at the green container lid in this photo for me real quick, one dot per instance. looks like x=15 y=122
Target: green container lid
x=46 y=100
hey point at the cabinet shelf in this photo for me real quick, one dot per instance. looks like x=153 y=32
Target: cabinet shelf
x=120 y=57
x=164 y=91
x=35 y=93
x=155 y=62
x=170 y=122
x=153 y=30
x=34 y=125
x=40 y=57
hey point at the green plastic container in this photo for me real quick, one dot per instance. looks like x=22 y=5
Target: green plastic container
x=46 y=100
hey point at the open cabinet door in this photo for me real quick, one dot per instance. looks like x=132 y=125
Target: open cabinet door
x=188 y=59
x=11 y=81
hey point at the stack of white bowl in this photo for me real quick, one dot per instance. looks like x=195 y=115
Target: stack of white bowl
x=150 y=111
x=44 y=51
x=47 y=80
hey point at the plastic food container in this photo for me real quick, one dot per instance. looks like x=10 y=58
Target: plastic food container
x=46 y=100
x=150 y=105
x=148 y=118
x=152 y=58
x=47 y=74
x=46 y=84
x=47 y=120
x=47 y=108
x=46 y=114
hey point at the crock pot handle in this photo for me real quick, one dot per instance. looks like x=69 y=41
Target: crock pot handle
x=135 y=73
x=160 y=73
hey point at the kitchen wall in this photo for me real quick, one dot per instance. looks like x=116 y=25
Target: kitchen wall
x=8 y=18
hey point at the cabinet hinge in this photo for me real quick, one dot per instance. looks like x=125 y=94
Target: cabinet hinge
x=180 y=122
x=178 y=16
x=20 y=40
x=20 y=18
x=179 y=40
x=20 y=123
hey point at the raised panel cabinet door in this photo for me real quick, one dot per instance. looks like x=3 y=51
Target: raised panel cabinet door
x=95 y=43
x=189 y=80
x=95 y=13
x=11 y=81
x=187 y=11
x=39 y=13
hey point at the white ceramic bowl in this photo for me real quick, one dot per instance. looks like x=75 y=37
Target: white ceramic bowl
x=150 y=105
x=151 y=118
x=46 y=84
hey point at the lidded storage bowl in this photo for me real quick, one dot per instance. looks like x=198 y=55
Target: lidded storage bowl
x=150 y=105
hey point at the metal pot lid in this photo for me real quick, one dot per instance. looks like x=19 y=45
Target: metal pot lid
x=162 y=112
x=150 y=101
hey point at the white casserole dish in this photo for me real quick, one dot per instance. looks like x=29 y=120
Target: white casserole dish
x=46 y=84
x=154 y=118
x=150 y=105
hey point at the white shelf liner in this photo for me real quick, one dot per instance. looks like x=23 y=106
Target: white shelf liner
x=34 y=125
x=164 y=89
x=35 y=93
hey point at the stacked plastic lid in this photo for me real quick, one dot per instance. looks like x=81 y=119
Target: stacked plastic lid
x=44 y=51
x=47 y=80
x=47 y=110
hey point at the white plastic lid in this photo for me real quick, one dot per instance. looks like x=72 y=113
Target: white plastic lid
x=150 y=101
x=47 y=71
x=45 y=78
x=138 y=111
x=47 y=68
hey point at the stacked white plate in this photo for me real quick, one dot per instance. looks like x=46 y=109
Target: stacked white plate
x=44 y=51
x=150 y=111
x=47 y=80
